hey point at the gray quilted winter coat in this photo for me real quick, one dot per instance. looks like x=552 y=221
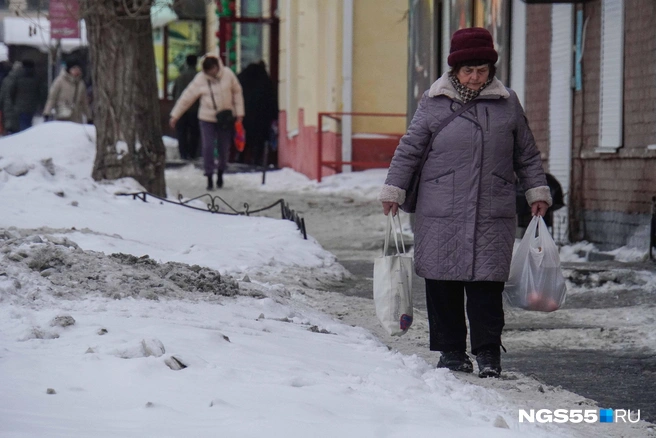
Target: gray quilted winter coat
x=465 y=217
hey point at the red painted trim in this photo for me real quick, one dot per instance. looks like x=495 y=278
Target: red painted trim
x=337 y=116
x=301 y=151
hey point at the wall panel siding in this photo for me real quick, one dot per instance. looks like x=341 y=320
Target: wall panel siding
x=538 y=43
x=560 y=106
x=612 y=74
x=518 y=50
x=639 y=74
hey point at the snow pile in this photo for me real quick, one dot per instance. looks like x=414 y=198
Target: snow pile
x=361 y=185
x=126 y=346
x=630 y=254
x=77 y=273
x=577 y=252
x=132 y=319
x=46 y=181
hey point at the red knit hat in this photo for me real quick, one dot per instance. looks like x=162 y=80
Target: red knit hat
x=472 y=44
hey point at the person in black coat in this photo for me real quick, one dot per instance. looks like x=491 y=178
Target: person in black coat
x=261 y=107
x=26 y=94
x=187 y=129
x=523 y=210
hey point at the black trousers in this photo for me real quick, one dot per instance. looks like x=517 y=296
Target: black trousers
x=445 y=302
x=188 y=133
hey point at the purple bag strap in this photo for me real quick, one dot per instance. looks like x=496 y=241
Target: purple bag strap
x=443 y=125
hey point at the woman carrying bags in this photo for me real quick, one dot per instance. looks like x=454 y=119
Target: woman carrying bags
x=465 y=209
x=221 y=104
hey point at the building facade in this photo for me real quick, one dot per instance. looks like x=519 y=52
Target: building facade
x=601 y=107
x=587 y=81
x=341 y=56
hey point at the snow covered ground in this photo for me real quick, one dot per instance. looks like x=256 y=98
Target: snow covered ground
x=366 y=185
x=363 y=185
x=131 y=319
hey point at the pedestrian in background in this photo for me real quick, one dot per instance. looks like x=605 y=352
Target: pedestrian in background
x=68 y=96
x=465 y=212
x=26 y=94
x=187 y=129
x=9 y=116
x=261 y=105
x=221 y=103
x=5 y=68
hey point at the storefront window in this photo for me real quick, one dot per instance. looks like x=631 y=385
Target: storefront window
x=172 y=44
x=29 y=5
x=422 y=65
x=158 y=45
x=494 y=15
x=253 y=37
x=185 y=38
x=462 y=14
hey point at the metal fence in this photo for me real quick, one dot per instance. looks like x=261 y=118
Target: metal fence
x=217 y=205
x=337 y=165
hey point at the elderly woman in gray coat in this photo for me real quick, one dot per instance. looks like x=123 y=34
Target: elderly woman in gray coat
x=465 y=213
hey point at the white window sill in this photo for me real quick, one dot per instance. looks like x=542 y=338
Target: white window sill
x=606 y=150
x=651 y=147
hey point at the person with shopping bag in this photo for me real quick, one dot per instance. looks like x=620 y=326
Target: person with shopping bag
x=457 y=165
x=536 y=281
x=221 y=105
x=393 y=283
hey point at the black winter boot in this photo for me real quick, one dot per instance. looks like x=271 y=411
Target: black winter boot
x=455 y=361
x=210 y=184
x=488 y=359
x=219 y=179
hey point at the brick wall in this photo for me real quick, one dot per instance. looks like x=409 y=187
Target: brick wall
x=639 y=73
x=624 y=185
x=611 y=193
x=538 y=75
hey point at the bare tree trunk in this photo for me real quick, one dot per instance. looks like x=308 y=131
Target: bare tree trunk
x=126 y=106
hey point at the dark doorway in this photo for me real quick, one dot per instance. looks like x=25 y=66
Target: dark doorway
x=248 y=36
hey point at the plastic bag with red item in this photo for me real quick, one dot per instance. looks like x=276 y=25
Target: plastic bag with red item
x=240 y=136
x=536 y=280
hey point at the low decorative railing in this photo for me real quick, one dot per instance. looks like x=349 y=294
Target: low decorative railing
x=217 y=205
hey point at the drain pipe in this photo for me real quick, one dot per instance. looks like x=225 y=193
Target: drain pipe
x=289 y=40
x=347 y=83
x=652 y=238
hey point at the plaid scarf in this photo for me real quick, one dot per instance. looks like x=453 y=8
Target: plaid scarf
x=465 y=93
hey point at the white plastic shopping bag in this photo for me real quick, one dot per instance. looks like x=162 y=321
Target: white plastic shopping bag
x=393 y=284
x=536 y=281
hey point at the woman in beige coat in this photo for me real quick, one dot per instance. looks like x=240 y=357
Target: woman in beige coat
x=68 y=96
x=218 y=89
